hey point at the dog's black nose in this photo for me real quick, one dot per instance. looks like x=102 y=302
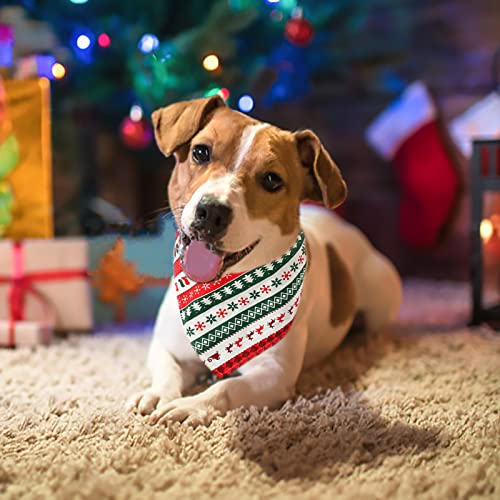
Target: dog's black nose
x=211 y=218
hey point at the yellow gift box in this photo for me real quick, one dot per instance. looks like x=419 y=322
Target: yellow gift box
x=30 y=181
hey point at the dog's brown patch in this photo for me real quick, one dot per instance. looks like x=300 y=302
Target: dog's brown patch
x=176 y=124
x=273 y=150
x=342 y=291
x=223 y=135
x=299 y=159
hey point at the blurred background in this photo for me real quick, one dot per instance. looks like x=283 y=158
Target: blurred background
x=330 y=65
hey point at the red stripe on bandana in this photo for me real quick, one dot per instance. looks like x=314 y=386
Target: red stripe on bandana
x=197 y=290
x=251 y=352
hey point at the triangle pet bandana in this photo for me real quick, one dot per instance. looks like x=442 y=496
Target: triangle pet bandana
x=231 y=320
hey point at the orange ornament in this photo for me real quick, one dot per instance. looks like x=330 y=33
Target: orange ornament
x=115 y=278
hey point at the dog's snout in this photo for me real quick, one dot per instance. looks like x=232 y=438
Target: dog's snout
x=212 y=218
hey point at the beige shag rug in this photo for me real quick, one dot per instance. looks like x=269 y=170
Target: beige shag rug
x=414 y=412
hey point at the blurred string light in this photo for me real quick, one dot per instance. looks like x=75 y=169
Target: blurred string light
x=103 y=40
x=83 y=42
x=136 y=113
x=211 y=92
x=58 y=71
x=211 y=62
x=486 y=230
x=273 y=1
x=148 y=43
x=222 y=92
x=245 y=103
x=78 y=2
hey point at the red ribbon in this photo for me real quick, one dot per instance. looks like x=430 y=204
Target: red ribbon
x=23 y=283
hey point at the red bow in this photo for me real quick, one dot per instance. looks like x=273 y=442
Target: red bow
x=23 y=283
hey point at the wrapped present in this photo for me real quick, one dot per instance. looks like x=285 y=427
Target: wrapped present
x=24 y=333
x=29 y=179
x=6 y=44
x=9 y=158
x=35 y=65
x=130 y=275
x=46 y=281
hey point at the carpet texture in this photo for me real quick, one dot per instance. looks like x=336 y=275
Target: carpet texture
x=411 y=412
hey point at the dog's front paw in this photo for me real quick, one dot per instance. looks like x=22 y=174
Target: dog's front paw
x=191 y=410
x=146 y=401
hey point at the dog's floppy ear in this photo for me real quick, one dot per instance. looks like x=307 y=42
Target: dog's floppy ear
x=324 y=182
x=176 y=124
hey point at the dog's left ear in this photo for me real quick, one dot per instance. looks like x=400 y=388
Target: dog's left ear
x=324 y=182
x=178 y=123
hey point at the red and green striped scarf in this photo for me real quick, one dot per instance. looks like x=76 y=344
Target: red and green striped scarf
x=233 y=319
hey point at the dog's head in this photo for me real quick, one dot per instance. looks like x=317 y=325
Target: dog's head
x=238 y=183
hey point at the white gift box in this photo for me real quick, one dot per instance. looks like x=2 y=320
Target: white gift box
x=46 y=281
x=24 y=333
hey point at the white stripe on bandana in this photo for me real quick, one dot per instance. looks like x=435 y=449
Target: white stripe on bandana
x=231 y=320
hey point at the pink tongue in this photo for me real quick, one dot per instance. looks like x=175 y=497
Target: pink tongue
x=200 y=264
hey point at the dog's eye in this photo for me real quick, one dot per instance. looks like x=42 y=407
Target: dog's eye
x=271 y=182
x=201 y=154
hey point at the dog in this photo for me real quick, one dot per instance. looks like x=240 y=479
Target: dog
x=240 y=185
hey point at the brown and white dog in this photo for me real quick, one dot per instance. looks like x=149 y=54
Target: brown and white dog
x=238 y=184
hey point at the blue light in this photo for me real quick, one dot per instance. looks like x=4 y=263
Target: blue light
x=245 y=103
x=272 y=1
x=148 y=43
x=79 y=2
x=83 y=42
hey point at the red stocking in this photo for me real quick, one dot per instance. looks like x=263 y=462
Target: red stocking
x=407 y=134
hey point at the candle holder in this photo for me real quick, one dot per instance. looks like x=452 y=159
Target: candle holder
x=485 y=173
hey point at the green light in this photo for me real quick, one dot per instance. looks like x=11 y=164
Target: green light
x=211 y=92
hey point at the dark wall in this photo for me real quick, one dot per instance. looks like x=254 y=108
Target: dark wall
x=453 y=42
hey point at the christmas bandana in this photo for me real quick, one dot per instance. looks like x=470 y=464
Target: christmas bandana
x=231 y=320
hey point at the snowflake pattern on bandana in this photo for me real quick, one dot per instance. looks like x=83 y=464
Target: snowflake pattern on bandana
x=232 y=320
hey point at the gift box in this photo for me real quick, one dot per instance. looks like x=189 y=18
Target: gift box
x=6 y=44
x=24 y=333
x=9 y=158
x=29 y=180
x=45 y=281
x=35 y=65
x=130 y=275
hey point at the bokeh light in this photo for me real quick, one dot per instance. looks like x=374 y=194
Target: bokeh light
x=486 y=230
x=224 y=93
x=78 y=2
x=245 y=103
x=211 y=62
x=58 y=71
x=103 y=40
x=148 y=43
x=136 y=113
x=83 y=42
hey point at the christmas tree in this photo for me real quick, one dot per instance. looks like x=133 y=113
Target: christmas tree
x=117 y=53
x=113 y=61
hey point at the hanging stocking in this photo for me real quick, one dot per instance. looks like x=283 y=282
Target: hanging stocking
x=407 y=134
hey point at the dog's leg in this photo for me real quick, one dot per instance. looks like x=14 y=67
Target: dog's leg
x=169 y=375
x=167 y=380
x=379 y=290
x=267 y=380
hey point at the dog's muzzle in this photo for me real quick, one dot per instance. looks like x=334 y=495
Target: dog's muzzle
x=211 y=219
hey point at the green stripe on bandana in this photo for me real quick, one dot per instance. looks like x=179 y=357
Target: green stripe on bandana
x=232 y=320
x=252 y=278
